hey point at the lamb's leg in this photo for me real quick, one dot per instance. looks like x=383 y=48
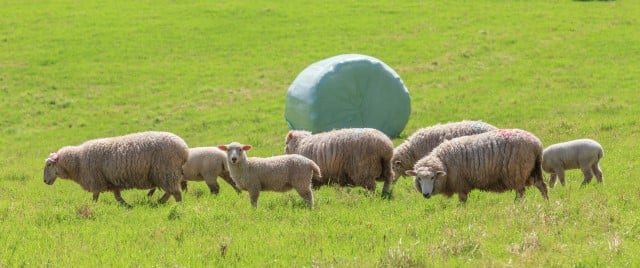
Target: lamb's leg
x=369 y=184
x=307 y=195
x=230 y=181
x=183 y=185
x=177 y=196
x=553 y=179
x=520 y=193
x=560 y=173
x=596 y=170
x=95 y=196
x=116 y=194
x=386 y=189
x=164 y=198
x=214 y=188
x=253 y=196
x=586 y=171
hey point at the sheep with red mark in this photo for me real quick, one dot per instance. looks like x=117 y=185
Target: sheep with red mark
x=495 y=161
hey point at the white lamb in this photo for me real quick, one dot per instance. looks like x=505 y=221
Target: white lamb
x=277 y=173
x=584 y=154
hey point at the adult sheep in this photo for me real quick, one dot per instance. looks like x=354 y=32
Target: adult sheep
x=141 y=160
x=584 y=154
x=424 y=140
x=278 y=173
x=206 y=163
x=496 y=161
x=352 y=156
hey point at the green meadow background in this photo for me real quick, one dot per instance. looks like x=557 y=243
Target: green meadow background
x=217 y=71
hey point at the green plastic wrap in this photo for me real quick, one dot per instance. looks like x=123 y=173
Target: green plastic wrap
x=348 y=91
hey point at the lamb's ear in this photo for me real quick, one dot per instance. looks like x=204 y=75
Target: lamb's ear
x=411 y=173
x=222 y=147
x=246 y=147
x=441 y=173
x=290 y=135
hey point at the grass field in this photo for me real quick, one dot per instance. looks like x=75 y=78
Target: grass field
x=217 y=71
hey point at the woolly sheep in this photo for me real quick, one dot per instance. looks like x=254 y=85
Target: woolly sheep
x=424 y=140
x=353 y=156
x=584 y=154
x=496 y=161
x=277 y=173
x=206 y=163
x=141 y=160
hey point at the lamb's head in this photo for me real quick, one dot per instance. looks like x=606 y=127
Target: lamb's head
x=235 y=152
x=426 y=180
x=293 y=140
x=51 y=168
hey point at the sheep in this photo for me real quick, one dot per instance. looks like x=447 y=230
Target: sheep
x=496 y=161
x=584 y=154
x=348 y=157
x=141 y=160
x=276 y=173
x=206 y=163
x=424 y=140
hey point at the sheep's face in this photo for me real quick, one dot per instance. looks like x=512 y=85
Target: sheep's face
x=426 y=180
x=50 y=169
x=293 y=139
x=235 y=152
x=398 y=168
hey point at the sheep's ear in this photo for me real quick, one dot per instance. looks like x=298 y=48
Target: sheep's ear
x=441 y=173
x=411 y=173
x=397 y=162
x=290 y=135
x=222 y=147
x=246 y=147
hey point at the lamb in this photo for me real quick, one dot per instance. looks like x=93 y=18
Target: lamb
x=348 y=157
x=206 y=163
x=424 y=140
x=496 y=161
x=141 y=160
x=277 y=173
x=584 y=154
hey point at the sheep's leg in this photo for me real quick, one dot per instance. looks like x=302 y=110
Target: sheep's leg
x=596 y=170
x=150 y=193
x=95 y=196
x=543 y=189
x=307 y=195
x=164 y=198
x=230 y=181
x=177 y=196
x=369 y=184
x=386 y=189
x=560 y=173
x=116 y=194
x=462 y=197
x=586 y=171
x=520 y=193
x=553 y=179
x=214 y=188
x=253 y=196
x=183 y=185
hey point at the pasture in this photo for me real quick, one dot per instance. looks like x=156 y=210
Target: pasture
x=214 y=72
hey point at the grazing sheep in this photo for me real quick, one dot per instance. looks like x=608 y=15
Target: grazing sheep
x=277 y=173
x=496 y=161
x=141 y=160
x=424 y=140
x=206 y=163
x=353 y=156
x=584 y=154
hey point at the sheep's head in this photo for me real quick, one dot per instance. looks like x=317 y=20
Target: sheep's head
x=293 y=139
x=426 y=180
x=50 y=168
x=235 y=152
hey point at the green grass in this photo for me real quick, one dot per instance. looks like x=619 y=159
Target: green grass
x=215 y=72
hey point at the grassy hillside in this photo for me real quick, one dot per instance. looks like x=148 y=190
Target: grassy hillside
x=215 y=72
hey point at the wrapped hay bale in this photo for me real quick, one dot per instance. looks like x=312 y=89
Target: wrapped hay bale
x=348 y=91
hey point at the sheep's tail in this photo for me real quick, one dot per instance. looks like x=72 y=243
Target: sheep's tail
x=538 y=178
x=600 y=154
x=316 y=171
